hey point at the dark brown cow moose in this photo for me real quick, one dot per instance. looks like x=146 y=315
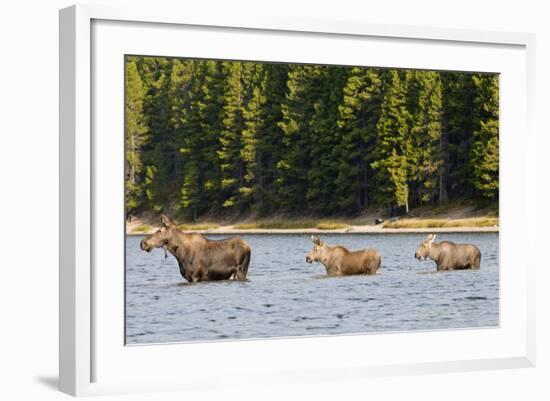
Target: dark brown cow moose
x=339 y=261
x=449 y=256
x=199 y=258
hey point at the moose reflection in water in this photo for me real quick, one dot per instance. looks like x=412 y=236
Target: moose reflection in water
x=339 y=261
x=449 y=256
x=199 y=258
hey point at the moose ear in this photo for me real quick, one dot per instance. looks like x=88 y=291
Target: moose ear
x=315 y=239
x=432 y=238
x=165 y=221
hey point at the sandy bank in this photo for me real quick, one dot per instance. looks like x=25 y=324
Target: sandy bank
x=366 y=229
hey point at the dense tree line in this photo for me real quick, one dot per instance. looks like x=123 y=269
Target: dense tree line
x=222 y=137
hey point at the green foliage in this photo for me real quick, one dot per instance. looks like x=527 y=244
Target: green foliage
x=394 y=144
x=458 y=122
x=324 y=140
x=359 y=112
x=135 y=134
x=298 y=109
x=251 y=138
x=425 y=159
x=230 y=136
x=485 y=155
x=207 y=138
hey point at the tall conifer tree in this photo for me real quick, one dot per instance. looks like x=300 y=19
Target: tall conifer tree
x=321 y=187
x=252 y=135
x=270 y=146
x=232 y=167
x=393 y=145
x=135 y=131
x=458 y=118
x=359 y=113
x=485 y=149
x=190 y=142
x=303 y=87
x=426 y=159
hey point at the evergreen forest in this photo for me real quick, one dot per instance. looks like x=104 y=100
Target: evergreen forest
x=228 y=138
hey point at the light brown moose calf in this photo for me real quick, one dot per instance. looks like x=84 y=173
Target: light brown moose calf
x=339 y=261
x=449 y=256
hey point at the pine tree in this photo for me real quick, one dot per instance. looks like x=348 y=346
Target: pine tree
x=232 y=167
x=485 y=149
x=251 y=153
x=212 y=126
x=270 y=148
x=160 y=153
x=426 y=159
x=190 y=143
x=359 y=113
x=298 y=109
x=393 y=145
x=458 y=118
x=323 y=134
x=135 y=133
x=397 y=168
x=178 y=92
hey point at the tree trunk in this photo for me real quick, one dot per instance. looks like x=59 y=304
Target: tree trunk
x=132 y=166
x=442 y=187
x=443 y=196
x=365 y=189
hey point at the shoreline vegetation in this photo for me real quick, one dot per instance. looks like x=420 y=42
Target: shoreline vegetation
x=458 y=219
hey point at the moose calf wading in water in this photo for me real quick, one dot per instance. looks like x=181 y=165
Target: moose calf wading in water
x=341 y=262
x=449 y=256
x=199 y=258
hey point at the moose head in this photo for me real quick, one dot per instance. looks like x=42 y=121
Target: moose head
x=423 y=251
x=317 y=254
x=161 y=237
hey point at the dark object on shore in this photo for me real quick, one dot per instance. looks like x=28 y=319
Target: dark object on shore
x=199 y=258
x=449 y=256
x=378 y=221
x=339 y=261
x=394 y=219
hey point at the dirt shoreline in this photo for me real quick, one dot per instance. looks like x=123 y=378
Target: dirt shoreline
x=366 y=229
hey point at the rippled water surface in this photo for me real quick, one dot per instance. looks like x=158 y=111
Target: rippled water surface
x=285 y=296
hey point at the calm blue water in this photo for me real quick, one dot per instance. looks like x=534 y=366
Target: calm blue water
x=285 y=296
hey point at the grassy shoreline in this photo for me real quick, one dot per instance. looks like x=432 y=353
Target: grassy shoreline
x=442 y=218
x=416 y=225
x=474 y=222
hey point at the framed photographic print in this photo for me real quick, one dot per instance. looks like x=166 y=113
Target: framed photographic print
x=291 y=199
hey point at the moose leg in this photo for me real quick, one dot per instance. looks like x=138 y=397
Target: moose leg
x=477 y=261
x=199 y=274
x=184 y=273
x=242 y=269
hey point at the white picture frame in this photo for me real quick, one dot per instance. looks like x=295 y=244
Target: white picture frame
x=93 y=358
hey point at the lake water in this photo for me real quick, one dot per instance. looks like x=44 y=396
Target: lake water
x=285 y=296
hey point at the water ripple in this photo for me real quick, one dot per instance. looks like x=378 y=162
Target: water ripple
x=284 y=296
